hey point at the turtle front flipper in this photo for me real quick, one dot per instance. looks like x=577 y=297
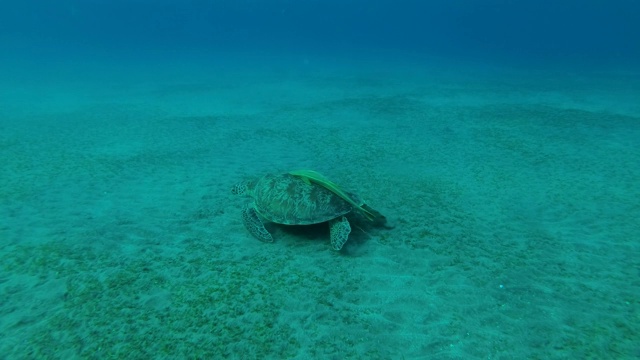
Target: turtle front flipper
x=339 y=229
x=255 y=226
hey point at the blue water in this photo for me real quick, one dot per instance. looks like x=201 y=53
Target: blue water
x=583 y=32
x=499 y=138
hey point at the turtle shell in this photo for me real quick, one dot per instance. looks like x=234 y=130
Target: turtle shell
x=289 y=200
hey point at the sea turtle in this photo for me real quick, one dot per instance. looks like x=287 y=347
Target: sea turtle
x=300 y=197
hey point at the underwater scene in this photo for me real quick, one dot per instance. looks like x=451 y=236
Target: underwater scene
x=280 y=179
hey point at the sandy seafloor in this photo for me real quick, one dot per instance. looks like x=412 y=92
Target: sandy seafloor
x=513 y=198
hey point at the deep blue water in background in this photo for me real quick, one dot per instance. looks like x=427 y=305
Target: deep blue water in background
x=581 y=33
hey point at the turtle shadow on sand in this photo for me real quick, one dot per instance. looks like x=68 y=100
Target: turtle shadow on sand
x=303 y=197
x=361 y=231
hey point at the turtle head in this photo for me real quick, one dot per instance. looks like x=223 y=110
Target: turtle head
x=239 y=188
x=243 y=188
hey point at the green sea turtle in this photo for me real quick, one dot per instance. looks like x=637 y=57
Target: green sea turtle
x=300 y=197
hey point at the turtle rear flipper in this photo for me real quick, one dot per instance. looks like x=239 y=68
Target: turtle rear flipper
x=255 y=226
x=376 y=217
x=339 y=229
